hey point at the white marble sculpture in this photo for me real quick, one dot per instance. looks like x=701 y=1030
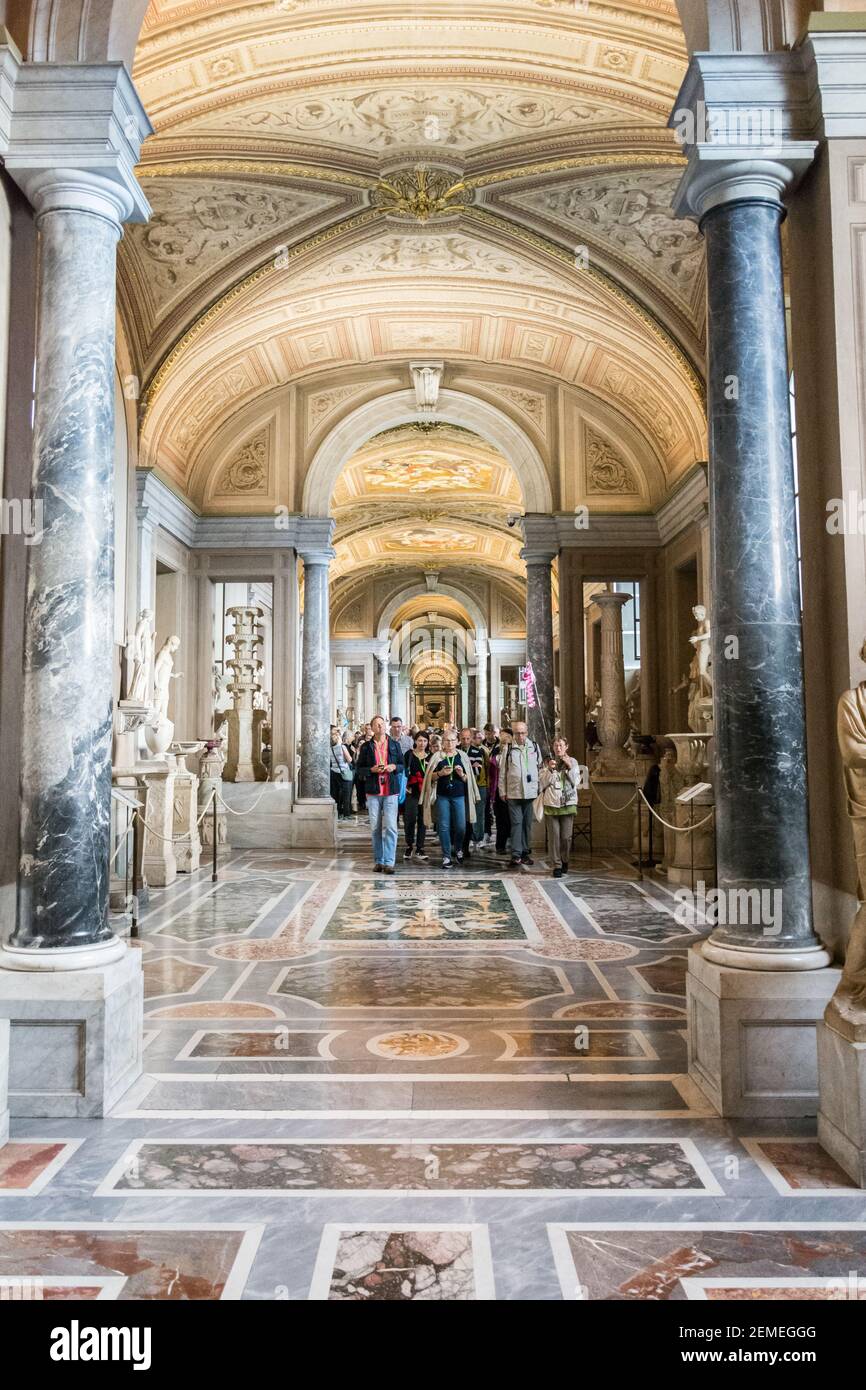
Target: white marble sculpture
x=851 y=733
x=700 y=640
x=163 y=675
x=139 y=659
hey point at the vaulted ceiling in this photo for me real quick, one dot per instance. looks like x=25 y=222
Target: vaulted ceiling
x=339 y=185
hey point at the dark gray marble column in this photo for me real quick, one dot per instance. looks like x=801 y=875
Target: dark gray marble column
x=760 y=749
x=539 y=641
x=316 y=677
x=393 y=694
x=69 y=638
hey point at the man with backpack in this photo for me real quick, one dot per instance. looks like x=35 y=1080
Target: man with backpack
x=519 y=774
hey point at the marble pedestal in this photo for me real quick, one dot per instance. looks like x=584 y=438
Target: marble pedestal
x=682 y=868
x=842 y=1085
x=159 y=865
x=313 y=823
x=187 y=846
x=613 y=828
x=4 y=1080
x=244 y=760
x=76 y=1037
x=751 y=1036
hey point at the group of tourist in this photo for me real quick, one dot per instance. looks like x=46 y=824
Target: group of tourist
x=476 y=790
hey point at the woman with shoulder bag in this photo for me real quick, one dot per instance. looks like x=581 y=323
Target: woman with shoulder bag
x=559 y=782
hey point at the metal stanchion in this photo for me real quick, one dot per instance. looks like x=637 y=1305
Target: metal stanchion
x=639 y=839
x=215 y=872
x=133 y=930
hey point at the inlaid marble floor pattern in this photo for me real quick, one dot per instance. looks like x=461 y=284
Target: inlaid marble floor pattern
x=436 y=1086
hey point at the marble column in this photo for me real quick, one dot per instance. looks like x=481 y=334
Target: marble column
x=539 y=640
x=393 y=694
x=760 y=750
x=69 y=646
x=613 y=723
x=382 y=686
x=316 y=677
x=482 y=685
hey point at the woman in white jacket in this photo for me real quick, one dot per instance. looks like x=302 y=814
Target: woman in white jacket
x=559 y=783
x=450 y=793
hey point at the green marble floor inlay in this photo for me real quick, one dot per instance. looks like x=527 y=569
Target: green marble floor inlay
x=423 y=910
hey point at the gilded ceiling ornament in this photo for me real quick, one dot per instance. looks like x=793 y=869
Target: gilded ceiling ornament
x=422 y=194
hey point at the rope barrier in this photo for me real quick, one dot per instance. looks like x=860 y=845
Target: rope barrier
x=173 y=839
x=614 y=809
x=681 y=829
x=250 y=809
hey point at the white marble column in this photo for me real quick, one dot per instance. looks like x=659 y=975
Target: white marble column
x=482 y=685
x=382 y=684
x=316 y=675
x=394 y=694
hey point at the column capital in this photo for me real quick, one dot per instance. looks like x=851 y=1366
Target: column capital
x=611 y=600
x=75 y=138
x=718 y=175
x=313 y=536
x=541 y=539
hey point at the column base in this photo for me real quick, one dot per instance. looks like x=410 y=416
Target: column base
x=751 y=1036
x=76 y=1037
x=4 y=1080
x=842 y=1081
x=64 y=958
x=759 y=958
x=612 y=823
x=313 y=823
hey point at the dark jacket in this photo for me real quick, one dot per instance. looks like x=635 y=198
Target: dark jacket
x=367 y=761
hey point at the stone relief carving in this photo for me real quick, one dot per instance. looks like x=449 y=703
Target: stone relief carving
x=444 y=253
x=323 y=402
x=247 y=470
x=631 y=210
x=510 y=616
x=606 y=469
x=208 y=405
x=196 y=227
x=532 y=403
x=660 y=422
x=401 y=118
x=351 y=619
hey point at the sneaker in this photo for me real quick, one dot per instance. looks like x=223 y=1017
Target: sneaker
x=379 y=869
x=407 y=854
x=527 y=859
x=459 y=858
x=419 y=857
x=557 y=873
x=514 y=864
x=388 y=869
x=446 y=863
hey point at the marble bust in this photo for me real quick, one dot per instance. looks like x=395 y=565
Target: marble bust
x=851 y=734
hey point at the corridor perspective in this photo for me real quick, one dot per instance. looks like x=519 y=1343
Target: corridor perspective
x=433 y=661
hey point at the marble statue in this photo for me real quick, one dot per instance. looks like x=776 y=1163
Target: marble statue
x=139 y=658
x=692 y=681
x=851 y=733
x=700 y=640
x=163 y=675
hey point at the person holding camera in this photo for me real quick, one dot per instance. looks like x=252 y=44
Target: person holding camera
x=560 y=781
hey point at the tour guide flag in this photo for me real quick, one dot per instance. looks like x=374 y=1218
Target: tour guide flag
x=527 y=678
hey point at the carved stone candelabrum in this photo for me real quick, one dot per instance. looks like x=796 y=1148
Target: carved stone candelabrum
x=244 y=721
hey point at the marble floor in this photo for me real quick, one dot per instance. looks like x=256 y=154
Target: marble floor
x=439 y=1086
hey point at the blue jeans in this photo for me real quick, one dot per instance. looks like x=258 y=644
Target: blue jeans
x=480 y=811
x=382 y=811
x=451 y=820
